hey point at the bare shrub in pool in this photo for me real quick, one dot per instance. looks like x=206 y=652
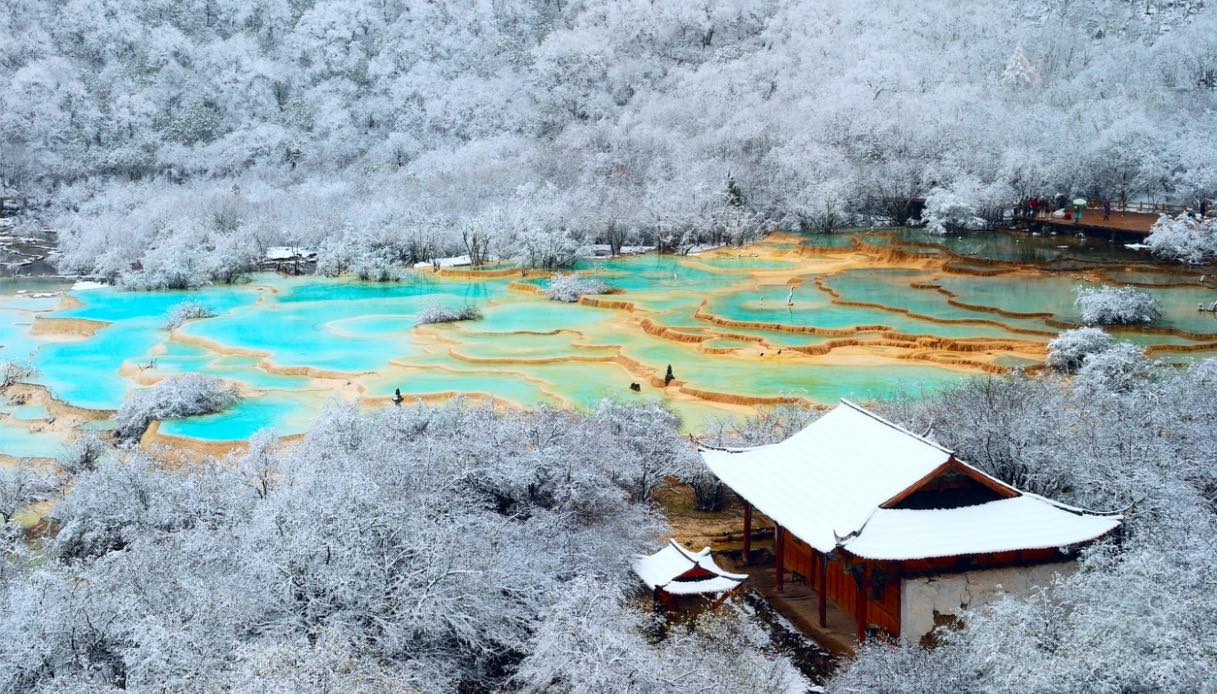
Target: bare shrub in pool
x=569 y=288
x=437 y=313
x=12 y=372
x=1069 y=350
x=186 y=311
x=1117 y=306
x=176 y=396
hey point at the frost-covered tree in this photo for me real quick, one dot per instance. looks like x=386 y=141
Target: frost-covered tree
x=1018 y=73
x=176 y=396
x=1068 y=351
x=188 y=310
x=438 y=313
x=1106 y=305
x=594 y=643
x=1184 y=238
x=569 y=288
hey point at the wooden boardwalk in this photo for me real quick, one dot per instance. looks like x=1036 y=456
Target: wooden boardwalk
x=1120 y=223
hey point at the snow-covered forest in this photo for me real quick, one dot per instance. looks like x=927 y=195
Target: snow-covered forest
x=408 y=549
x=184 y=138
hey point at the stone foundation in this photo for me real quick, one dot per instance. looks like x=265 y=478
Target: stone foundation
x=929 y=601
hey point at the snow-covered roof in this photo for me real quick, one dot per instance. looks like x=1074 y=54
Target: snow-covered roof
x=665 y=568
x=828 y=484
x=1023 y=522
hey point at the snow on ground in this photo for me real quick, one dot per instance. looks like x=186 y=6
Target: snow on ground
x=604 y=249
x=289 y=253
x=454 y=261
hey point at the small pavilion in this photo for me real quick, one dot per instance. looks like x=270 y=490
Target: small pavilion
x=674 y=573
x=892 y=528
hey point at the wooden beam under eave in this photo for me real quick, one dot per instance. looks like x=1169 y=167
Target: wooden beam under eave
x=779 y=562
x=747 y=531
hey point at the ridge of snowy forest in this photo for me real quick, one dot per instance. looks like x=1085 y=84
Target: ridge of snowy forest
x=203 y=132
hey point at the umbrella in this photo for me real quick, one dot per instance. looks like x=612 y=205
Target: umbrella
x=1079 y=201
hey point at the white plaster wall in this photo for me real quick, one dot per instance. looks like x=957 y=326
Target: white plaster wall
x=949 y=594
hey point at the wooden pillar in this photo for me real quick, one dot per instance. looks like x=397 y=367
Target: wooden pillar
x=779 y=562
x=860 y=604
x=747 y=531
x=823 y=590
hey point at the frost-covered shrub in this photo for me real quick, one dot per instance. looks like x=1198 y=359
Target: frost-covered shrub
x=177 y=396
x=648 y=432
x=376 y=265
x=1184 y=238
x=966 y=205
x=1112 y=370
x=334 y=257
x=83 y=454
x=1068 y=351
x=438 y=313
x=545 y=249
x=1117 y=306
x=12 y=372
x=594 y=643
x=569 y=288
x=19 y=487
x=183 y=312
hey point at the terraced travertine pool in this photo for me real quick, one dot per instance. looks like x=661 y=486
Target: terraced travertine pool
x=873 y=313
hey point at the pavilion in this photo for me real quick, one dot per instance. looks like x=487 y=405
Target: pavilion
x=892 y=528
x=674 y=572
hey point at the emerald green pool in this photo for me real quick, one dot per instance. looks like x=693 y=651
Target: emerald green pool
x=737 y=336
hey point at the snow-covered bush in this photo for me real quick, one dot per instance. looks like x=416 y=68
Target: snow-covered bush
x=1184 y=238
x=376 y=265
x=966 y=205
x=183 y=312
x=594 y=643
x=1069 y=350
x=177 y=396
x=569 y=288
x=1106 y=305
x=83 y=454
x=438 y=313
x=656 y=452
x=545 y=249
x=21 y=486
x=1113 y=370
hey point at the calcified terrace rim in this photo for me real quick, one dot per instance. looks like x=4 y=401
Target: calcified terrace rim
x=627 y=330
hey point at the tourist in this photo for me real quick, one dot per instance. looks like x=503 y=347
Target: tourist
x=397 y=398
x=668 y=377
x=1077 y=213
x=1035 y=206
x=1107 y=208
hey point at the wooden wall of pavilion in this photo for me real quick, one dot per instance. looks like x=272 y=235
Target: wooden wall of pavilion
x=882 y=579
